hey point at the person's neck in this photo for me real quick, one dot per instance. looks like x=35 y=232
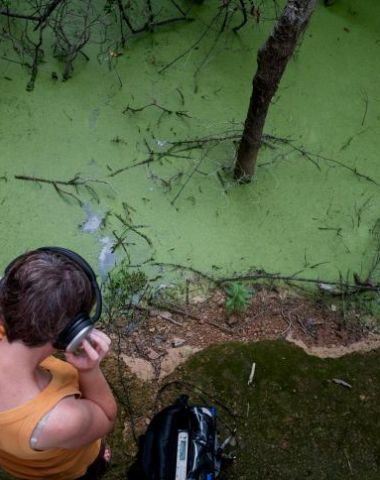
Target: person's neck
x=22 y=360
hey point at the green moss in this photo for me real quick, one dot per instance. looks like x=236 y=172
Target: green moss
x=299 y=423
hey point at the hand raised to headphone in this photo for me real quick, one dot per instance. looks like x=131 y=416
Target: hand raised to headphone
x=91 y=353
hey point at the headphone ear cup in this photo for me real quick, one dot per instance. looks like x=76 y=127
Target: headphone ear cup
x=74 y=333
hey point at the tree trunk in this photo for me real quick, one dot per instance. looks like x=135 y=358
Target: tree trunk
x=271 y=63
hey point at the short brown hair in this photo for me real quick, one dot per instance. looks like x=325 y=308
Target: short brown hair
x=40 y=294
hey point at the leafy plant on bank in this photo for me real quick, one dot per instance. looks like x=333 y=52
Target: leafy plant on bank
x=124 y=290
x=238 y=298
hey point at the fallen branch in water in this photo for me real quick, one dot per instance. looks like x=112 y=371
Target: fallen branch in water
x=327 y=286
x=176 y=148
x=74 y=182
x=134 y=228
x=40 y=19
x=190 y=269
x=335 y=288
x=179 y=113
x=150 y=24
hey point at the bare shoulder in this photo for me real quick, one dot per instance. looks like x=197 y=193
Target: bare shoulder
x=62 y=422
x=69 y=414
x=72 y=423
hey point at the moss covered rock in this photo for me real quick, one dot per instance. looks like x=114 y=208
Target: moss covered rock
x=298 y=419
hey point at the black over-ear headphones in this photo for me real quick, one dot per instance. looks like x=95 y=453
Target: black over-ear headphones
x=80 y=326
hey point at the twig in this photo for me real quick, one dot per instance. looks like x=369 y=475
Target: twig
x=171 y=20
x=220 y=178
x=359 y=211
x=183 y=267
x=252 y=374
x=338 y=230
x=213 y=45
x=138 y=164
x=168 y=319
x=10 y=60
x=179 y=113
x=48 y=11
x=37 y=47
x=245 y=17
x=342 y=383
x=260 y=274
x=178 y=311
x=149 y=24
x=225 y=5
x=21 y=16
x=306 y=331
x=182 y=12
x=348 y=461
x=183 y=186
x=134 y=228
x=181 y=96
x=61 y=192
x=352 y=170
x=365 y=96
x=177 y=147
x=307 y=155
x=349 y=288
x=170 y=64
x=74 y=182
x=164 y=317
x=40 y=19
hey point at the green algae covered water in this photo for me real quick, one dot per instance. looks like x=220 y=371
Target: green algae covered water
x=300 y=214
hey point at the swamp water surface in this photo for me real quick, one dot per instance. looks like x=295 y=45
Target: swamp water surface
x=314 y=216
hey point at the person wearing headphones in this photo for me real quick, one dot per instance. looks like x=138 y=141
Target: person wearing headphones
x=53 y=413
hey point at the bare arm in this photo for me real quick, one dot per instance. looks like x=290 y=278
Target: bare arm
x=92 y=384
x=94 y=387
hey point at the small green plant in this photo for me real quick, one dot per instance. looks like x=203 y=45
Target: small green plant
x=238 y=297
x=124 y=289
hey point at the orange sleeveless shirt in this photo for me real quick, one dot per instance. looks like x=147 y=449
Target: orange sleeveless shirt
x=17 y=425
